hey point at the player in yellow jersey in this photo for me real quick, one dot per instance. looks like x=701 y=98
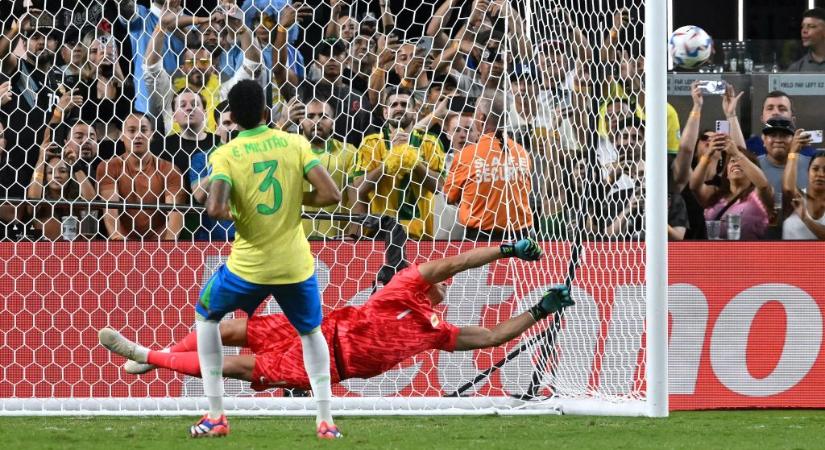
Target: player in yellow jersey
x=257 y=181
x=399 y=168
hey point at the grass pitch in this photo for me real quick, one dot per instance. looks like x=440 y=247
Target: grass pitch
x=711 y=430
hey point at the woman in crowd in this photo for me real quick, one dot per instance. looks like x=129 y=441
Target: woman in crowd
x=808 y=218
x=54 y=179
x=727 y=181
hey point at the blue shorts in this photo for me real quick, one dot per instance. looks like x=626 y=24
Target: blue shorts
x=225 y=292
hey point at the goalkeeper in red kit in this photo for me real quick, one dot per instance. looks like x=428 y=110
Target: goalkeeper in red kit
x=395 y=323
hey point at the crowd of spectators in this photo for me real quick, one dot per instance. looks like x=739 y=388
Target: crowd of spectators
x=472 y=128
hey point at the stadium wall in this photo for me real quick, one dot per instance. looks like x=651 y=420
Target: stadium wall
x=745 y=318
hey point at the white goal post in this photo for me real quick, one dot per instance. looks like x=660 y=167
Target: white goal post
x=569 y=81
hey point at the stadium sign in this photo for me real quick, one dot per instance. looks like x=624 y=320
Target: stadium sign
x=746 y=329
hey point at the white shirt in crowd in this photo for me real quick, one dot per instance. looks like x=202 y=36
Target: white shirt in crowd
x=794 y=229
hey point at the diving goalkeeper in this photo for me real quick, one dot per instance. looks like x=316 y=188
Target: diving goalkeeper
x=364 y=341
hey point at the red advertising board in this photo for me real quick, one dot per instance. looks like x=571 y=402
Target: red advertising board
x=745 y=318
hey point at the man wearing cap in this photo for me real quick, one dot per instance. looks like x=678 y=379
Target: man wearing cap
x=777 y=134
x=813 y=39
x=776 y=103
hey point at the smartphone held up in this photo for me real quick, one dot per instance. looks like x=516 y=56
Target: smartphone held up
x=712 y=87
x=723 y=127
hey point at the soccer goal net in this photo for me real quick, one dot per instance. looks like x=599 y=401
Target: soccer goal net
x=447 y=125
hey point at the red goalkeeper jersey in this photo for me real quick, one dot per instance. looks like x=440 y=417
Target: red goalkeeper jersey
x=397 y=322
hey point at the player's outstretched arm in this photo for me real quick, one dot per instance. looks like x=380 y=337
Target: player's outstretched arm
x=442 y=269
x=474 y=337
x=217 y=202
x=324 y=192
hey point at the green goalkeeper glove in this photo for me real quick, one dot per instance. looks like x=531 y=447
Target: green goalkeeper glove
x=554 y=300
x=526 y=249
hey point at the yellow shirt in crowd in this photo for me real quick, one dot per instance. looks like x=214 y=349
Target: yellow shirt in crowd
x=674 y=129
x=339 y=160
x=401 y=196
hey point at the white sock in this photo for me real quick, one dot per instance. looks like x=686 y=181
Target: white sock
x=141 y=354
x=316 y=362
x=210 y=356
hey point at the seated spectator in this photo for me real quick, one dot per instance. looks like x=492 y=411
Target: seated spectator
x=140 y=177
x=442 y=86
x=778 y=135
x=490 y=186
x=813 y=41
x=728 y=181
x=210 y=229
x=199 y=72
x=556 y=69
x=398 y=169
x=808 y=218
x=776 y=104
x=315 y=121
x=141 y=22
x=54 y=179
x=189 y=116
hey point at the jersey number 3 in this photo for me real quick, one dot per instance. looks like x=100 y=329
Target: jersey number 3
x=269 y=183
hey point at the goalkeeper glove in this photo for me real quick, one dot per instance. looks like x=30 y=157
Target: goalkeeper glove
x=526 y=249
x=554 y=300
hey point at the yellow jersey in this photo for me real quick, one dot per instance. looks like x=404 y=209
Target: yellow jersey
x=339 y=160
x=401 y=196
x=265 y=169
x=674 y=129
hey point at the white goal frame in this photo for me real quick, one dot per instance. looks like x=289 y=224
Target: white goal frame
x=655 y=403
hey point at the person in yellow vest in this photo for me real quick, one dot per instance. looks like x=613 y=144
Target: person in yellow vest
x=398 y=169
x=315 y=121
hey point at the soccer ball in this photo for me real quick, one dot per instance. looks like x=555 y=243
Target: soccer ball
x=690 y=46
